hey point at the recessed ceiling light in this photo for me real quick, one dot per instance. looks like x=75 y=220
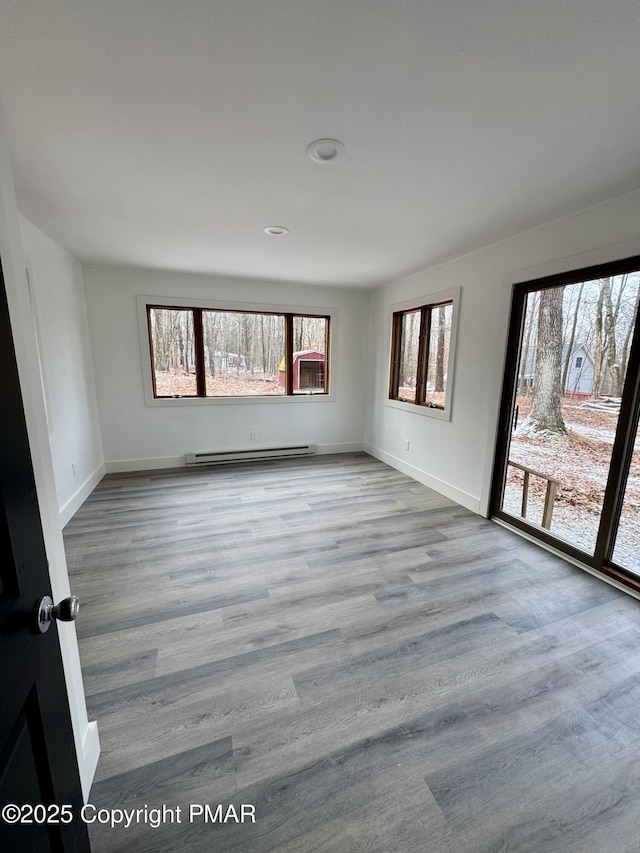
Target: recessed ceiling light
x=325 y=150
x=276 y=230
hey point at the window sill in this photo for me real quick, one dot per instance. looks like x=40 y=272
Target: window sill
x=238 y=401
x=411 y=408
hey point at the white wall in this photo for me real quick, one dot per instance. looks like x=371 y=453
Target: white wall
x=138 y=436
x=456 y=457
x=60 y=314
x=13 y=264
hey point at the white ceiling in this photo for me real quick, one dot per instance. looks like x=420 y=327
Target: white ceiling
x=168 y=134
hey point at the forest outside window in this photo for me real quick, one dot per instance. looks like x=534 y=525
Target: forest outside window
x=202 y=352
x=420 y=355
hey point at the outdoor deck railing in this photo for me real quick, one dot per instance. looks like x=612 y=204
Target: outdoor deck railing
x=552 y=487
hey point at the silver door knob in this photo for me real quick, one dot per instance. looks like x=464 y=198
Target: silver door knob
x=65 y=611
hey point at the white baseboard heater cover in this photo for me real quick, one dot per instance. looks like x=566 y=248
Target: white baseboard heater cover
x=224 y=456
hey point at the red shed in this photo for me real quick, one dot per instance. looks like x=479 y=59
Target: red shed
x=308 y=371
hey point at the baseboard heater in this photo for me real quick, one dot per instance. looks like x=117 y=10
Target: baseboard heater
x=225 y=456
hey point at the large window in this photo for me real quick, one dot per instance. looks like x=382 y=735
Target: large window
x=420 y=355
x=202 y=352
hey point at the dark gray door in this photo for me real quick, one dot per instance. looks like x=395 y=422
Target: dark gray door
x=38 y=765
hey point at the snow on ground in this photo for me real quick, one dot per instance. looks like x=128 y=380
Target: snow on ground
x=581 y=462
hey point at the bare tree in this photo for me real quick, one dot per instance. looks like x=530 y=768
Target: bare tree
x=546 y=412
x=572 y=336
x=409 y=348
x=531 y=325
x=624 y=350
x=210 y=321
x=605 y=354
x=440 y=350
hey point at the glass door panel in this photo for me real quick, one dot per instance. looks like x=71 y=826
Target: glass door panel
x=626 y=552
x=572 y=363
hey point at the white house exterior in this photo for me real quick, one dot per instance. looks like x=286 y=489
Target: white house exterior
x=580 y=374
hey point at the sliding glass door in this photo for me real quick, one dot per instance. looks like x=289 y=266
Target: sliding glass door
x=567 y=462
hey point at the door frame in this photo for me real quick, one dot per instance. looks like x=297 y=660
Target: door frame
x=622 y=451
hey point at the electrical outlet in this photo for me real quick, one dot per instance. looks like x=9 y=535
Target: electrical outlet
x=406 y=444
x=253 y=435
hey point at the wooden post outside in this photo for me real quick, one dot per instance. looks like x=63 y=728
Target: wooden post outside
x=550 y=497
x=552 y=488
x=525 y=494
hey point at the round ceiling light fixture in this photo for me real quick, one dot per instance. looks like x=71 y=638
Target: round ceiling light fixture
x=276 y=230
x=326 y=150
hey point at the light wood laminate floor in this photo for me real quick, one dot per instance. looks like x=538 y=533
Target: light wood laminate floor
x=372 y=666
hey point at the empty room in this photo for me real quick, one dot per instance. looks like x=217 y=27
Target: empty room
x=320 y=454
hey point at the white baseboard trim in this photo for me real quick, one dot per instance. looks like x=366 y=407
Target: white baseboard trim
x=88 y=762
x=463 y=498
x=347 y=447
x=69 y=509
x=121 y=466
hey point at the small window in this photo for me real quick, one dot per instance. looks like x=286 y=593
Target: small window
x=172 y=352
x=579 y=361
x=310 y=345
x=203 y=352
x=420 y=354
